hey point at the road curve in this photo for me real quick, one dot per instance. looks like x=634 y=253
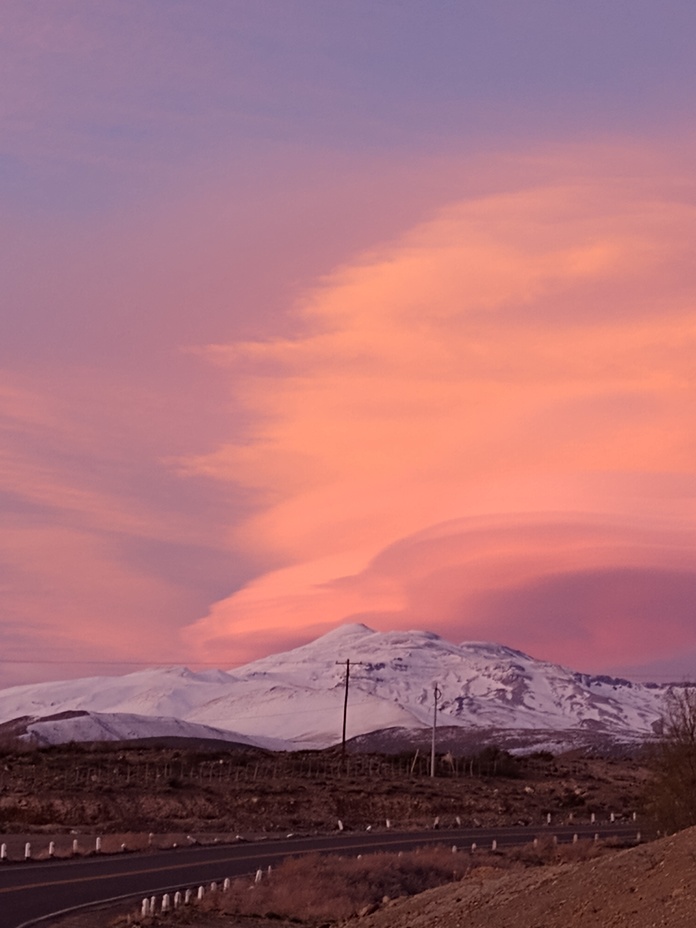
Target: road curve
x=30 y=892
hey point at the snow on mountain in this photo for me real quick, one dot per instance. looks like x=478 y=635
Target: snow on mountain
x=295 y=700
x=123 y=726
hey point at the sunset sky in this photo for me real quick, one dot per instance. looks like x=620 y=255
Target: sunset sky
x=327 y=311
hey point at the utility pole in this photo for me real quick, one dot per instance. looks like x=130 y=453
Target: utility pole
x=345 y=714
x=437 y=693
x=345 y=708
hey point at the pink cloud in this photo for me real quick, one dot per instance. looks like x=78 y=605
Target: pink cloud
x=514 y=355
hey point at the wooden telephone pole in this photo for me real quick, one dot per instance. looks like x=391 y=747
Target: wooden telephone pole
x=437 y=693
x=345 y=713
x=345 y=707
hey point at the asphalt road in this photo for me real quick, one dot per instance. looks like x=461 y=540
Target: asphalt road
x=32 y=891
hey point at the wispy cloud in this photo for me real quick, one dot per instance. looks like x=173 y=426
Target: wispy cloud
x=520 y=354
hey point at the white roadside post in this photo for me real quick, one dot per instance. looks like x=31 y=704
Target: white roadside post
x=27 y=851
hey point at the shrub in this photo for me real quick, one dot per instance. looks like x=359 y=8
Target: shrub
x=329 y=887
x=672 y=792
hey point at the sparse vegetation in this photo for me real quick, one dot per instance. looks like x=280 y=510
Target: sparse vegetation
x=119 y=788
x=316 y=889
x=672 y=791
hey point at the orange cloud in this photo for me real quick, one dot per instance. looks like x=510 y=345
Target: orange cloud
x=520 y=355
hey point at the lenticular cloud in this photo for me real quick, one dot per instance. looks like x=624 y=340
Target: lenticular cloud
x=523 y=360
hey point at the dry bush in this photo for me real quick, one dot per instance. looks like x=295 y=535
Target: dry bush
x=318 y=887
x=547 y=851
x=671 y=794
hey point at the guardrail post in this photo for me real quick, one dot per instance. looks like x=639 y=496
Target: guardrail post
x=177 y=899
x=166 y=904
x=144 y=908
x=187 y=896
x=200 y=893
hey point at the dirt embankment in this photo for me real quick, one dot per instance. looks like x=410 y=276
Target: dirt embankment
x=651 y=886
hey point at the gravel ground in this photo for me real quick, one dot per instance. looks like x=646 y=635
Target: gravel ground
x=650 y=886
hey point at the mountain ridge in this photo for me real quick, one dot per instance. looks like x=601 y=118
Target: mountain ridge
x=295 y=699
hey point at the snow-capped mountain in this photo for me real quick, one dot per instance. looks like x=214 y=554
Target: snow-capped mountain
x=295 y=700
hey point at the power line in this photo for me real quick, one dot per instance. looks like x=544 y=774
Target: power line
x=174 y=662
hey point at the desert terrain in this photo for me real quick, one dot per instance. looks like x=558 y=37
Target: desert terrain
x=121 y=789
x=128 y=793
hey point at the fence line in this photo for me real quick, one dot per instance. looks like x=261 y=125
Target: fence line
x=174 y=773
